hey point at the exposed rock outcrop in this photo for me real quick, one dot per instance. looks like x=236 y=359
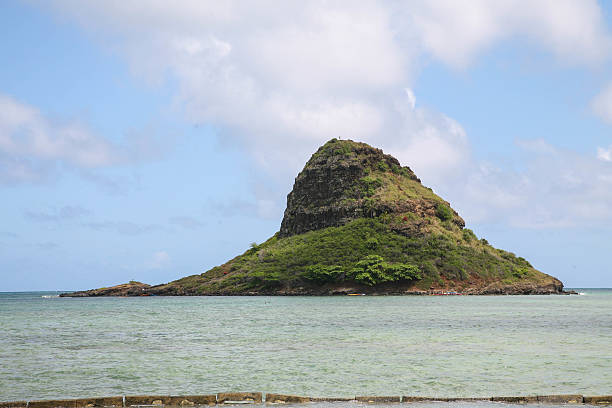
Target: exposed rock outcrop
x=336 y=186
x=132 y=288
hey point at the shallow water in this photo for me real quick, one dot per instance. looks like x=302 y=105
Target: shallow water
x=317 y=346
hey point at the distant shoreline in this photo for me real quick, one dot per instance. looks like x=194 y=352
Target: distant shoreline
x=58 y=292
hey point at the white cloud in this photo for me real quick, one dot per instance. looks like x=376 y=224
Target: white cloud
x=32 y=144
x=602 y=104
x=456 y=32
x=435 y=146
x=604 y=154
x=283 y=78
x=24 y=131
x=411 y=98
x=554 y=188
x=159 y=260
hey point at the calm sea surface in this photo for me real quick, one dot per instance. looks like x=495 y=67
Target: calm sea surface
x=318 y=346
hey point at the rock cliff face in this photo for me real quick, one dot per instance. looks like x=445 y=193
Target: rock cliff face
x=330 y=191
x=344 y=181
x=358 y=222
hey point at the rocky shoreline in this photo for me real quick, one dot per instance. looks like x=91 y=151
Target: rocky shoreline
x=134 y=289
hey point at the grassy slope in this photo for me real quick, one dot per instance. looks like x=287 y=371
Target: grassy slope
x=447 y=257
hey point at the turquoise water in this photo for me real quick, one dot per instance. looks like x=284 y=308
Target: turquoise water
x=318 y=346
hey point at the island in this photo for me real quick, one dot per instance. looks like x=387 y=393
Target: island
x=358 y=222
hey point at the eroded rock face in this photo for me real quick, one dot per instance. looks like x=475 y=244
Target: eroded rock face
x=330 y=190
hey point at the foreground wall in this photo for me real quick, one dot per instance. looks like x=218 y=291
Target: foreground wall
x=230 y=398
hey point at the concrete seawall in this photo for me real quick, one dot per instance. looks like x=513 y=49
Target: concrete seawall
x=235 y=398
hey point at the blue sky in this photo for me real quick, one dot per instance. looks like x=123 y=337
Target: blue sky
x=153 y=141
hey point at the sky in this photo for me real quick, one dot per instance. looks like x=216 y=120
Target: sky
x=153 y=140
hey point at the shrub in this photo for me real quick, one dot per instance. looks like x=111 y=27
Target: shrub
x=323 y=273
x=371 y=243
x=253 y=247
x=372 y=270
x=402 y=271
x=429 y=269
x=343 y=150
x=266 y=278
x=369 y=185
x=369 y=270
x=520 y=272
x=468 y=235
x=444 y=212
x=382 y=166
x=522 y=261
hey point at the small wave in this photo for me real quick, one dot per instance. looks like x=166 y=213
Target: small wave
x=581 y=293
x=49 y=296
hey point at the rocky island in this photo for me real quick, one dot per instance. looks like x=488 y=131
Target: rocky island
x=358 y=222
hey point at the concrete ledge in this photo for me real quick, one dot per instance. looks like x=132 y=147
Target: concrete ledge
x=331 y=399
x=52 y=404
x=192 y=400
x=377 y=400
x=561 y=399
x=598 y=400
x=409 y=399
x=452 y=399
x=285 y=399
x=13 y=404
x=240 y=397
x=147 y=400
x=99 y=402
x=256 y=398
x=516 y=400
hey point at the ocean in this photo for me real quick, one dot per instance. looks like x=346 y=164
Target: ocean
x=445 y=346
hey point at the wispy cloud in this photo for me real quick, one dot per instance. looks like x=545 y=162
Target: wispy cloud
x=187 y=222
x=159 y=260
x=8 y=234
x=604 y=154
x=125 y=227
x=64 y=213
x=232 y=207
x=47 y=246
x=554 y=188
x=32 y=145
x=237 y=207
x=24 y=131
x=602 y=104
